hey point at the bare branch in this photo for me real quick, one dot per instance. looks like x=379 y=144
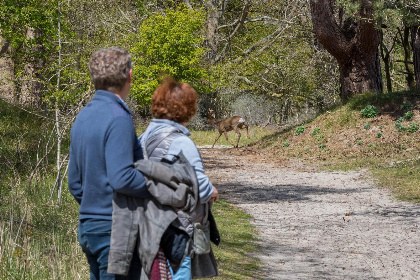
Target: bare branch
x=241 y=21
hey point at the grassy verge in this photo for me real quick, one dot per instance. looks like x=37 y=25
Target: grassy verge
x=202 y=138
x=234 y=253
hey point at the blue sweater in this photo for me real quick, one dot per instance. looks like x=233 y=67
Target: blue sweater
x=103 y=150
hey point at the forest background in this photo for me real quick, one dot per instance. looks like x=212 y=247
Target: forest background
x=277 y=63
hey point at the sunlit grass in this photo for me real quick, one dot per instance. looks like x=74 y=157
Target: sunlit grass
x=234 y=254
x=403 y=178
x=203 y=138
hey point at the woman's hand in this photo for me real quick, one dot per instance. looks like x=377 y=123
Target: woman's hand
x=215 y=195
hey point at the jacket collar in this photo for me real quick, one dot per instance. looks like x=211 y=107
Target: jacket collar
x=109 y=96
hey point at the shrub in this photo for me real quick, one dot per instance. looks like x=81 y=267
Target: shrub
x=286 y=144
x=366 y=126
x=379 y=135
x=315 y=131
x=369 y=111
x=413 y=127
x=399 y=125
x=408 y=115
x=320 y=137
x=299 y=130
x=406 y=106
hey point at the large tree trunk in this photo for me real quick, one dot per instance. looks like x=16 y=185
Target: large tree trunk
x=415 y=39
x=354 y=44
x=212 y=25
x=7 y=88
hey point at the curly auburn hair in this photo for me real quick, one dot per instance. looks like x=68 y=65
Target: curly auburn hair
x=174 y=101
x=110 y=68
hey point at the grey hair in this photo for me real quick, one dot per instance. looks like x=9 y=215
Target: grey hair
x=110 y=68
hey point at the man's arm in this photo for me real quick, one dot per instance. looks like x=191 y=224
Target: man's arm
x=120 y=155
x=74 y=178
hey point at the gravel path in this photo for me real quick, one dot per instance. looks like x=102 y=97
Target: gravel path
x=319 y=225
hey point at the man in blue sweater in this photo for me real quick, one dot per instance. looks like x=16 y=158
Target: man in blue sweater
x=103 y=150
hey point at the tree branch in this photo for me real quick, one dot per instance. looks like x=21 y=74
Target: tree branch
x=241 y=21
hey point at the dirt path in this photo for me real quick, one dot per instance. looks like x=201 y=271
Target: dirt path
x=319 y=225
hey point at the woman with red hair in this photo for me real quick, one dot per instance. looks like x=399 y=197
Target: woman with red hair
x=173 y=105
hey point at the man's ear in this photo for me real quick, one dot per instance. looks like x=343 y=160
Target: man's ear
x=130 y=74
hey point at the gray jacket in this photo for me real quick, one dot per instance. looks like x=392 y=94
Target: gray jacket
x=156 y=147
x=173 y=187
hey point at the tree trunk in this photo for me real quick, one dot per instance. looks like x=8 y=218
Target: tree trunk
x=411 y=81
x=415 y=41
x=7 y=88
x=212 y=24
x=354 y=44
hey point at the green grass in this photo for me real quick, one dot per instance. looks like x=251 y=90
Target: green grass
x=234 y=253
x=404 y=178
x=202 y=138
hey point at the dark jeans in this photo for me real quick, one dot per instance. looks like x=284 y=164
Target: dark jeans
x=94 y=238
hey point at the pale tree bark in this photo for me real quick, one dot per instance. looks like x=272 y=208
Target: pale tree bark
x=354 y=44
x=217 y=45
x=7 y=87
x=31 y=91
x=212 y=24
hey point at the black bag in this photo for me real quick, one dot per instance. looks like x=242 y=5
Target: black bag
x=214 y=232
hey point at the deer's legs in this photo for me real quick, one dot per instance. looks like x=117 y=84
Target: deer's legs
x=226 y=136
x=244 y=126
x=239 y=137
x=217 y=138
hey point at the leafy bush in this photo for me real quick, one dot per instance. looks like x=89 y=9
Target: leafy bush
x=320 y=137
x=286 y=144
x=366 y=126
x=299 y=130
x=168 y=44
x=413 y=127
x=315 y=131
x=408 y=115
x=369 y=111
x=407 y=106
x=399 y=125
x=379 y=135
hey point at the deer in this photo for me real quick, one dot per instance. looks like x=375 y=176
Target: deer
x=225 y=125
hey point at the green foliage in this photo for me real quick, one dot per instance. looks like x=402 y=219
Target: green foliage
x=408 y=115
x=168 y=44
x=299 y=130
x=320 y=137
x=366 y=126
x=406 y=106
x=379 y=135
x=315 y=131
x=413 y=127
x=285 y=144
x=369 y=111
